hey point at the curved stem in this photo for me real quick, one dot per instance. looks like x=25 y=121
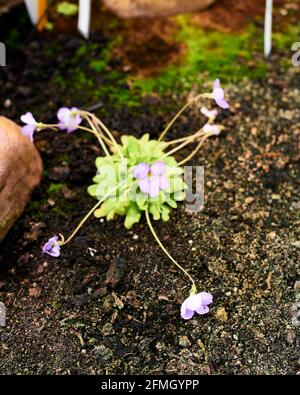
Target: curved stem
x=165 y=251
x=56 y=127
x=182 y=139
x=82 y=222
x=105 y=129
x=192 y=154
x=174 y=119
x=108 y=142
x=98 y=135
x=187 y=141
x=90 y=213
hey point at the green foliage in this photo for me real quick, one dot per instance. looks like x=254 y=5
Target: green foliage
x=119 y=190
x=220 y=55
x=67 y=9
x=54 y=188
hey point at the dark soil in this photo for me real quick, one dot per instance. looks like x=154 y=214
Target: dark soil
x=64 y=317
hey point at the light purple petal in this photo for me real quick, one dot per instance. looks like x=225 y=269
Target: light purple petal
x=217 y=84
x=53 y=239
x=202 y=310
x=68 y=119
x=206 y=297
x=218 y=94
x=28 y=131
x=222 y=103
x=144 y=185
x=141 y=171
x=207 y=128
x=63 y=113
x=194 y=302
x=73 y=123
x=186 y=314
x=55 y=252
x=215 y=129
x=61 y=126
x=209 y=114
x=47 y=247
x=163 y=183
x=158 y=168
x=153 y=183
x=52 y=247
x=28 y=119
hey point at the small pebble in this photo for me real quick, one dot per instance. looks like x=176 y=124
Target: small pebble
x=184 y=342
x=221 y=314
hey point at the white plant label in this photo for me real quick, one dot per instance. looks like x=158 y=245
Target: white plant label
x=84 y=19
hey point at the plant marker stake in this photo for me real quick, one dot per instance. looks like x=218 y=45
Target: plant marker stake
x=268 y=28
x=84 y=18
x=36 y=9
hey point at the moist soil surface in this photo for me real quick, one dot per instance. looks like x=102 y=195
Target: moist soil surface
x=111 y=302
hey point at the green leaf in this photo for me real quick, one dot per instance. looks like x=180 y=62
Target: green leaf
x=67 y=9
x=172 y=203
x=155 y=211
x=132 y=205
x=133 y=216
x=165 y=213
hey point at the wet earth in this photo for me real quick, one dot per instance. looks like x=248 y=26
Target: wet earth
x=116 y=310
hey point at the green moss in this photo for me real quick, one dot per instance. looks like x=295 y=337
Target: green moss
x=54 y=188
x=217 y=54
x=209 y=55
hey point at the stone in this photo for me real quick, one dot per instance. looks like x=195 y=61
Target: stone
x=20 y=172
x=155 y=8
x=221 y=314
x=184 y=341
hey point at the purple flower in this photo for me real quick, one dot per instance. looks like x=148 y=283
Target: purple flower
x=151 y=179
x=196 y=303
x=218 y=95
x=31 y=125
x=52 y=247
x=214 y=129
x=69 y=119
x=211 y=115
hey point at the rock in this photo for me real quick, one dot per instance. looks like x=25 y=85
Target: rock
x=221 y=314
x=115 y=272
x=20 y=171
x=184 y=342
x=155 y=8
x=35 y=292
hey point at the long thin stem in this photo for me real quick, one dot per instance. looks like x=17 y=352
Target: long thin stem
x=98 y=135
x=174 y=119
x=104 y=138
x=182 y=139
x=187 y=141
x=90 y=213
x=104 y=128
x=56 y=126
x=192 y=154
x=165 y=251
x=82 y=222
